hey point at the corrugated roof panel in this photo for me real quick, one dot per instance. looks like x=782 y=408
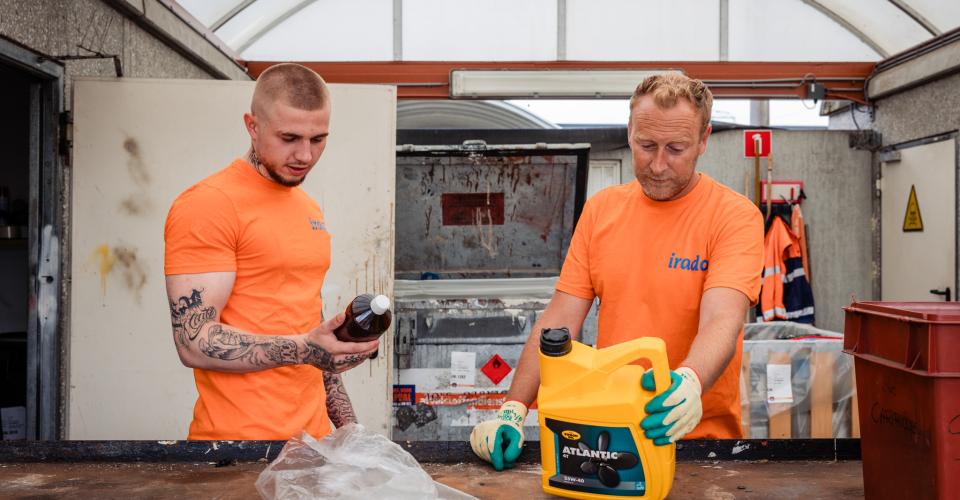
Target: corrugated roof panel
x=477 y=30
x=330 y=30
x=624 y=30
x=882 y=22
x=789 y=30
x=944 y=14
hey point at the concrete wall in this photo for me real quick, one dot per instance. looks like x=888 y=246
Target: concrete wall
x=923 y=111
x=837 y=181
x=61 y=27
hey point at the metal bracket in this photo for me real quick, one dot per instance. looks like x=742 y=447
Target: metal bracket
x=474 y=145
x=403 y=340
x=890 y=156
x=65 y=136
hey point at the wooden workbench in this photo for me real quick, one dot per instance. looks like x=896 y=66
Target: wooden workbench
x=718 y=469
x=714 y=480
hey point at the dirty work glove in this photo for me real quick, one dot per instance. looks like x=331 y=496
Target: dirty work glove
x=500 y=441
x=674 y=412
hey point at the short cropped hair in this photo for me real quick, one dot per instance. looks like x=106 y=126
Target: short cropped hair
x=293 y=84
x=667 y=88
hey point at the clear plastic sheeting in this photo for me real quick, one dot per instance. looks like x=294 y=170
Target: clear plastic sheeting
x=350 y=463
x=582 y=30
x=796 y=382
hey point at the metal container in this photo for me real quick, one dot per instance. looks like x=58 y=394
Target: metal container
x=482 y=232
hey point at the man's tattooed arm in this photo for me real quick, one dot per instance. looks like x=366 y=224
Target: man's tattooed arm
x=204 y=342
x=257 y=350
x=339 y=407
x=188 y=316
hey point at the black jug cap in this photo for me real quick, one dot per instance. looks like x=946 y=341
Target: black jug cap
x=555 y=341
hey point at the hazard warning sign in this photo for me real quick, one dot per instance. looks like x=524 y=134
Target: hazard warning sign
x=912 y=220
x=496 y=369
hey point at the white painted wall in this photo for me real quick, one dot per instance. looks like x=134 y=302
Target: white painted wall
x=125 y=380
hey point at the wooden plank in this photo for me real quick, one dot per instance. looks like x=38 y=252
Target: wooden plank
x=821 y=395
x=745 y=396
x=779 y=414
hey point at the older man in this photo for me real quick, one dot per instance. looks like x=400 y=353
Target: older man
x=674 y=255
x=246 y=255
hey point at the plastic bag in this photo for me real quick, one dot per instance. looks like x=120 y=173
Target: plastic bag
x=350 y=463
x=810 y=353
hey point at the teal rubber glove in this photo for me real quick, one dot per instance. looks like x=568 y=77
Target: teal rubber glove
x=674 y=412
x=500 y=441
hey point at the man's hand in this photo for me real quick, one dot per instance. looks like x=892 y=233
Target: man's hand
x=674 y=412
x=329 y=354
x=500 y=441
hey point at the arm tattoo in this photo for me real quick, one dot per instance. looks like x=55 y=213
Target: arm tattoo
x=322 y=359
x=188 y=317
x=339 y=407
x=257 y=350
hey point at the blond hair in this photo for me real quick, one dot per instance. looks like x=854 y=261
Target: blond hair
x=294 y=84
x=668 y=88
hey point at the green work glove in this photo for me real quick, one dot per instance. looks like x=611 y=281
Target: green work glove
x=674 y=412
x=500 y=441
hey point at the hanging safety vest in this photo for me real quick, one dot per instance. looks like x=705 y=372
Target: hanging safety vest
x=786 y=294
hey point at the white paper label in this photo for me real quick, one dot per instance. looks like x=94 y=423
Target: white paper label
x=779 y=388
x=14 y=422
x=463 y=369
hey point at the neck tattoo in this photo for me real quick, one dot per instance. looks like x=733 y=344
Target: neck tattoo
x=255 y=161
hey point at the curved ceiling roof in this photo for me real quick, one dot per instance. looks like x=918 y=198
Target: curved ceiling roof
x=587 y=30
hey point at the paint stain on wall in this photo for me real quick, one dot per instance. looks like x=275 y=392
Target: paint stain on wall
x=135 y=165
x=105 y=264
x=123 y=261
x=137 y=203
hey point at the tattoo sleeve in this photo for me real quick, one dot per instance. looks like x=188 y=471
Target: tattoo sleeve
x=188 y=316
x=257 y=350
x=195 y=329
x=339 y=407
x=322 y=359
x=204 y=342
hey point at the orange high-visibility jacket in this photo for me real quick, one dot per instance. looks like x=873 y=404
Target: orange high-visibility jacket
x=785 y=294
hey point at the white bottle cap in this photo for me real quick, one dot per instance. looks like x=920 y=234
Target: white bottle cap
x=380 y=304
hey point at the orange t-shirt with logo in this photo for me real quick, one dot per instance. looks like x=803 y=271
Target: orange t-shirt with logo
x=649 y=262
x=275 y=240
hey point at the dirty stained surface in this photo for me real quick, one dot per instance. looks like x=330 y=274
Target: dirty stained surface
x=484 y=216
x=713 y=480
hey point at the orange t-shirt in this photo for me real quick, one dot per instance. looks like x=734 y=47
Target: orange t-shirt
x=275 y=240
x=649 y=262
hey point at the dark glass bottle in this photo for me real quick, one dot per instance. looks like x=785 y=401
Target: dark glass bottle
x=367 y=318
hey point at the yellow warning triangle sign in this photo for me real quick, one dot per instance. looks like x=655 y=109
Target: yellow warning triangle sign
x=912 y=220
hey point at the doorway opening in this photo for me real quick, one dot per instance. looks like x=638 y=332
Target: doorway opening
x=31 y=90
x=14 y=262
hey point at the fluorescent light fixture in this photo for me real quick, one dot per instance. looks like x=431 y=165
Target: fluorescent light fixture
x=552 y=84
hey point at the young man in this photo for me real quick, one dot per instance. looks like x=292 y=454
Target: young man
x=246 y=254
x=674 y=255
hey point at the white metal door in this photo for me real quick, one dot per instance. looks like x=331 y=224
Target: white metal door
x=918 y=252
x=137 y=145
x=603 y=174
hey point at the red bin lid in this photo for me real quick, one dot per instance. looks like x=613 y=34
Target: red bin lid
x=939 y=312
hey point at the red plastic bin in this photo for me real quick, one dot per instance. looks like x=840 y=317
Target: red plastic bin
x=907 y=359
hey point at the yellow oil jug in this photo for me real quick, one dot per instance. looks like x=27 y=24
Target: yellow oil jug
x=590 y=407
